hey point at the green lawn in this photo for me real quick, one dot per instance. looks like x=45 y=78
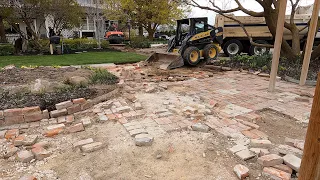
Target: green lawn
x=72 y=59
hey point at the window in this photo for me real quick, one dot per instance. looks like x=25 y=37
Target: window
x=199 y=27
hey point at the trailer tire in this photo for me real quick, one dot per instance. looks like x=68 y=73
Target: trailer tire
x=191 y=56
x=232 y=47
x=255 y=50
x=210 y=52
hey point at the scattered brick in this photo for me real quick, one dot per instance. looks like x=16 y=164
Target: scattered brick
x=12 y=112
x=137 y=106
x=285 y=149
x=241 y=171
x=24 y=126
x=91 y=147
x=10 y=120
x=259 y=150
x=30 y=140
x=284 y=168
x=40 y=153
x=79 y=101
x=83 y=142
x=292 y=161
x=103 y=118
x=261 y=134
x=44 y=144
x=200 y=127
x=143 y=140
x=33 y=117
x=58 y=113
x=76 y=128
x=74 y=108
x=260 y=143
x=69 y=119
x=123 y=109
x=18 y=141
x=57 y=126
x=123 y=120
x=45 y=114
x=25 y=156
x=86 y=122
x=165 y=114
x=299 y=145
x=270 y=160
x=112 y=117
x=53 y=121
x=250 y=135
x=12 y=133
x=276 y=174
x=34 y=124
x=150 y=90
x=245 y=154
x=53 y=132
x=62 y=119
x=63 y=105
x=190 y=110
x=250 y=124
x=237 y=148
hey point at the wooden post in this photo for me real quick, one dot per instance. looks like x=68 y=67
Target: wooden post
x=51 y=49
x=277 y=46
x=310 y=165
x=310 y=40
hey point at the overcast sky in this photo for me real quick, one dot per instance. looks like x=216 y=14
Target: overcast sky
x=227 y=4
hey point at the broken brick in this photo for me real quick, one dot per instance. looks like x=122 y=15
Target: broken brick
x=76 y=128
x=273 y=173
x=12 y=133
x=241 y=171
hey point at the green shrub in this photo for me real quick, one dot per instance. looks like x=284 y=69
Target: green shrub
x=6 y=49
x=44 y=46
x=80 y=44
x=102 y=76
x=140 y=42
x=104 y=44
x=261 y=62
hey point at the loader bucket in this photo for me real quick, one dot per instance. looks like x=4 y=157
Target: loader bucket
x=165 y=61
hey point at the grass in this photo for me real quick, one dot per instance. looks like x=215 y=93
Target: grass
x=72 y=59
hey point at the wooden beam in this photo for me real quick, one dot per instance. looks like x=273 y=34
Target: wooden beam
x=310 y=40
x=277 y=46
x=310 y=165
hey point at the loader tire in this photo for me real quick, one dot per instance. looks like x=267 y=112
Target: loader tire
x=191 y=56
x=210 y=52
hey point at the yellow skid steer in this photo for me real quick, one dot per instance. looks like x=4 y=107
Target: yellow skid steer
x=195 y=43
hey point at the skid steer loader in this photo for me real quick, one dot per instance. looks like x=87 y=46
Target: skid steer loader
x=196 y=42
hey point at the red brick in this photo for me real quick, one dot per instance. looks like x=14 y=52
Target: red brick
x=270 y=160
x=63 y=105
x=69 y=119
x=74 y=108
x=76 y=128
x=123 y=120
x=13 y=120
x=276 y=173
x=31 y=110
x=57 y=113
x=53 y=132
x=12 y=112
x=118 y=116
x=86 y=105
x=111 y=116
x=127 y=115
x=284 y=168
x=261 y=134
x=250 y=135
x=228 y=122
x=25 y=156
x=79 y=101
x=18 y=141
x=241 y=171
x=12 y=133
x=40 y=153
x=33 y=117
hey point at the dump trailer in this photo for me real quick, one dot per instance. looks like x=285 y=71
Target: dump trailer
x=195 y=43
x=235 y=41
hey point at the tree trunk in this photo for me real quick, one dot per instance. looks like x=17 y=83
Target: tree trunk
x=140 y=30
x=271 y=21
x=295 y=41
x=3 y=38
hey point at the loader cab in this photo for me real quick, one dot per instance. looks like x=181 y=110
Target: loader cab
x=190 y=27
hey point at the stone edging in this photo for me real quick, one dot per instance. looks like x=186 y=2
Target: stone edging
x=33 y=114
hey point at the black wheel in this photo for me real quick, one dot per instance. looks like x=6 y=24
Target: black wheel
x=257 y=50
x=233 y=47
x=210 y=52
x=191 y=56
